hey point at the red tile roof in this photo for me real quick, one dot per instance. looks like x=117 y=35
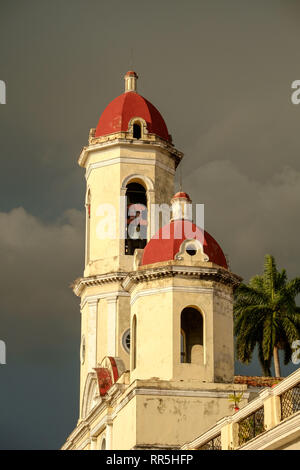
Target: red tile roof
x=256 y=381
x=121 y=110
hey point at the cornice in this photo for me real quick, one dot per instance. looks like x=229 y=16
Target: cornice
x=161 y=144
x=208 y=273
x=91 y=281
x=128 y=280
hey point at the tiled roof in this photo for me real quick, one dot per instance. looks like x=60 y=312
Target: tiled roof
x=256 y=381
x=117 y=115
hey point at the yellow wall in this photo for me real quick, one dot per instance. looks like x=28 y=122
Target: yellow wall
x=158 y=316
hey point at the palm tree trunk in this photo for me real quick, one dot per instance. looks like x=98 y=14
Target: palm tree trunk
x=276 y=362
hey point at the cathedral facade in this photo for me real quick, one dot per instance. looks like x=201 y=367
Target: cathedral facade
x=157 y=347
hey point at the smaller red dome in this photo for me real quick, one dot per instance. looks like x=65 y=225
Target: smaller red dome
x=131 y=73
x=181 y=195
x=167 y=241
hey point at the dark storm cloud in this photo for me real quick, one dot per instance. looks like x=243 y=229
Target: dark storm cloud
x=220 y=73
x=40 y=323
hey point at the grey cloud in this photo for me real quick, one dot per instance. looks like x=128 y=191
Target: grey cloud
x=38 y=262
x=250 y=218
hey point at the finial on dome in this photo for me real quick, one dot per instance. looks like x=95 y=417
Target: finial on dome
x=130 y=81
x=181 y=206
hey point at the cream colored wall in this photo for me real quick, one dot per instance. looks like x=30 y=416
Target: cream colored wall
x=223 y=339
x=156 y=413
x=105 y=183
x=83 y=366
x=150 y=418
x=123 y=324
x=154 y=348
x=105 y=189
x=175 y=420
x=107 y=255
x=124 y=428
x=158 y=329
x=102 y=330
x=101 y=333
x=204 y=303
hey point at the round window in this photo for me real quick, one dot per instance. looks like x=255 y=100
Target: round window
x=191 y=249
x=126 y=340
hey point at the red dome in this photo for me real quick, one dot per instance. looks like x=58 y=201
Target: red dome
x=164 y=247
x=181 y=195
x=116 y=116
x=131 y=73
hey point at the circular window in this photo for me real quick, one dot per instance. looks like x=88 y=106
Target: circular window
x=126 y=340
x=191 y=249
x=82 y=350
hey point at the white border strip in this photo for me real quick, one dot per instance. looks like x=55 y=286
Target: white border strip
x=191 y=290
x=135 y=161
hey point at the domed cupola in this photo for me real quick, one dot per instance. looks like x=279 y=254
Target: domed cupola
x=130 y=110
x=167 y=243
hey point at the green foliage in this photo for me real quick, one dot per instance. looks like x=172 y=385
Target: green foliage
x=235 y=398
x=266 y=315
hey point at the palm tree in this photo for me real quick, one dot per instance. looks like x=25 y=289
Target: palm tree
x=266 y=315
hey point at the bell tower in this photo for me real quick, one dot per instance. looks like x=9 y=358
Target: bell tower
x=157 y=362
x=129 y=163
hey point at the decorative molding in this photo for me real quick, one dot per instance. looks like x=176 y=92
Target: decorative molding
x=84 y=444
x=111 y=325
x=286 y=384
x=134 y=160
x=192 y=290
x=96 y=430
x=142 y=122
x=92 y=281
x=216 y=274
x=172 y=393
x=90 y=393
x=76 y=434
x=116 y=140
x=105 y=295
x=199 y=255
x=91 y=341
x=148 y=181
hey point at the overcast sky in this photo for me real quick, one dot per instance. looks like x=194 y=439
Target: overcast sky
x=220 y=73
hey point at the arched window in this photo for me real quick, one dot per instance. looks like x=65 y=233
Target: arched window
x=133 y=342
x=103 y=444
x=137 y=131
x=136 y=225
x=191 y=340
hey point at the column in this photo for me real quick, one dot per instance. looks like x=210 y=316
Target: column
x=91 y=340
x=112 y=326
